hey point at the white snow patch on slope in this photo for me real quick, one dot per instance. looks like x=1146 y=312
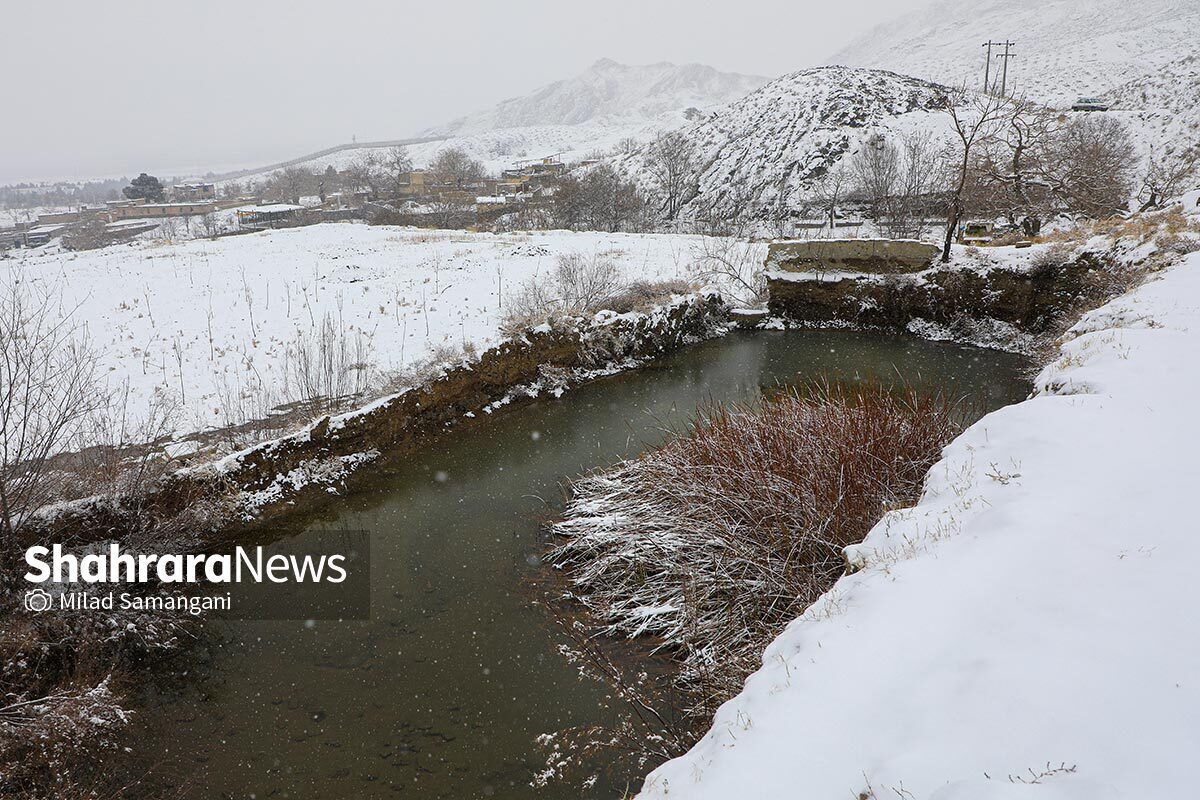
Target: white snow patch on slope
x=1064 y=48
x=1037 y=605
x=613 y=92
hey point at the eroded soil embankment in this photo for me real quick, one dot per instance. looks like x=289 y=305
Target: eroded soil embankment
x=1032 y=301
x=295 y=473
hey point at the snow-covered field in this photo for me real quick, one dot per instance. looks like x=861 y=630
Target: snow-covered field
x=1028 y=629
x=208 y=325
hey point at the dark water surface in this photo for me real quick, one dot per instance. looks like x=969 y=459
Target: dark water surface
x=442 y=692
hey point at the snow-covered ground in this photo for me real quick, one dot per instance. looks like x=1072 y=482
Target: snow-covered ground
x=1027 y=630
x=208 y=325
x=1061 y=48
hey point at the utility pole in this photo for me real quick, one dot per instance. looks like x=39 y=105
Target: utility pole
x=1006 y=56
x=987 y=69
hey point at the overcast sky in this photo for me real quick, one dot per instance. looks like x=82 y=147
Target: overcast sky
x=108 y=89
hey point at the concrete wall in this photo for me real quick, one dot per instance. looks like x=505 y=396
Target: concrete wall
x=884 y=256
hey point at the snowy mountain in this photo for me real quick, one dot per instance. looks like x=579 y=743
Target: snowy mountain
x=571 y=119
x=612 y=93
x=765 y=148
x=1063 y=48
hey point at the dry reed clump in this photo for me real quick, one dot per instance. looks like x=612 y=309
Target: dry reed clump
x=580 y=285
x=718 y=538
x=64 y=694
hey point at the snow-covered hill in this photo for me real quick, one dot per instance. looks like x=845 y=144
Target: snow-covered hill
x=615 y=94
x=1064 y=48
x=1163 y=107
x=768 y=147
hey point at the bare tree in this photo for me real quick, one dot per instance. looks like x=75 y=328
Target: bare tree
x=363 y=174
x=396 y=167
x=1167 y=175
x=1040 y=163
x=1093 y=169
x=875 y=171
x=974 y=124
x=671 y=160
x=828 y=192
x=210 y=224
x=599 y=200
x=897 y=181
x=48 y=387
x=1013 y=168
x=454 y=167
x=292 y=182
x=628 y=146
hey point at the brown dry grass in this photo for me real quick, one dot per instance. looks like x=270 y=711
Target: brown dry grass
x=721 y=536
x=1141 y=228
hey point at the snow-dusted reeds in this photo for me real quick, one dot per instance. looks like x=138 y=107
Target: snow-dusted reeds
x=326 y=367
x=65 y=434
x=710 y=544
x=578 y=285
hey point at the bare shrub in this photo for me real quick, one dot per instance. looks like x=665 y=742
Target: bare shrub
x=578 y=284
x=645 y=295
x=713 y=542
x=326 y=367
x=48 y=389
x=61 y=706
x=1052 y=257
x=736 y=265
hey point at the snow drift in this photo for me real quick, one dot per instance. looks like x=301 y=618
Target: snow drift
x=1026 y=629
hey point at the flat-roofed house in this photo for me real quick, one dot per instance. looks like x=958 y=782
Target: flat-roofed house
x=271 y=215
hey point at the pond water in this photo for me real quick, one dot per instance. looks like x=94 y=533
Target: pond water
x=443 y=691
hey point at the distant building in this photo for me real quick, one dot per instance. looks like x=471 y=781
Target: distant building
x=272 y=215
x=191 y=192
x=157 y=210
x=39 y=235
x=60 y=217
x=419 y=184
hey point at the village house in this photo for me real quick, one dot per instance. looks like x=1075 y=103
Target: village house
x=155 y=210
x=192 y=192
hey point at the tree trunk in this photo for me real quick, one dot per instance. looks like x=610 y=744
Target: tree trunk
x=951 y=227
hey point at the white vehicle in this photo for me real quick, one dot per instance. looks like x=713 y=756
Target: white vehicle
x=1089 y=104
